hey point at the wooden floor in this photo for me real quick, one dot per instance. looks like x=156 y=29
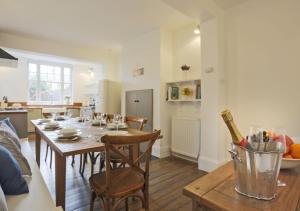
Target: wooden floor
x=167 y=178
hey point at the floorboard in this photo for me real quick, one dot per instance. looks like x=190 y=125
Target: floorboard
x=167 y=178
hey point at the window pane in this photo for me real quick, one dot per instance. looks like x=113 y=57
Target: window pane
x=50 y=91
x=67 y=90
x=32 y=70
x=48 y=87
x=67 y=75
x=32 y=67
x=32 y=90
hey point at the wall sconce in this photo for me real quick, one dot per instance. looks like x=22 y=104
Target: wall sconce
x=91 y=71
x=185 y=68
x=197 y=30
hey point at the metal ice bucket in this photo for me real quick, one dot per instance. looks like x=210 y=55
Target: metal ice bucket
x=256 y=172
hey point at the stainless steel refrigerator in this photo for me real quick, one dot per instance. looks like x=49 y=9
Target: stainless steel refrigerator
x=140 y=103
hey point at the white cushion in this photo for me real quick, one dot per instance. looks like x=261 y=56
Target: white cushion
x=3 y=205
x=38 y=197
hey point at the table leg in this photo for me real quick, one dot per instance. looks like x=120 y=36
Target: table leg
x=60 y=179
x=37 y=146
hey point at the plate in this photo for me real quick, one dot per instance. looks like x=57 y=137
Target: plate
x=42 y=121
x=51 y=128
x=71 y=138
x=68 y=135
x=115 y=133
x=288 y=163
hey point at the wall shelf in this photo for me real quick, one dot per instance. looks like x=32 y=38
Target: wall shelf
x=187 y=100
x=184 y=91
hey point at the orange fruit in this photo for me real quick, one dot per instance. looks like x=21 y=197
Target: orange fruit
x=295 y=150
x=287 y=155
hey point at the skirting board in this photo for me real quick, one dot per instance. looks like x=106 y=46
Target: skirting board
x=194 y=160
x=209 y=165
x=161 y=152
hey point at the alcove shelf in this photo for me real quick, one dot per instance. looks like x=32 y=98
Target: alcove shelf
x=184 y=91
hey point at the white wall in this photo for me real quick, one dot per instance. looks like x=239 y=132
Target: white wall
x=162 y=52
x=143 y=52
x=107 y=58
x=14 y=81
x=146 y=51
x=186 y=50
x=263 y=42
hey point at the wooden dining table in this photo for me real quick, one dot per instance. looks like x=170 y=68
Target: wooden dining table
x=88 y=142
x=215 y=191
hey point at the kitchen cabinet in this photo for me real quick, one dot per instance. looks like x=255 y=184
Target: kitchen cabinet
x=33 y=113
x=19 y=120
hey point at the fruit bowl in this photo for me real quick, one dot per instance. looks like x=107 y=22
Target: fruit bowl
x=289 y=163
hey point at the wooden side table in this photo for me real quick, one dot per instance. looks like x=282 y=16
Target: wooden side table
x=215 y=191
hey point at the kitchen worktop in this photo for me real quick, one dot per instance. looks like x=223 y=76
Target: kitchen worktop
x=15 y=111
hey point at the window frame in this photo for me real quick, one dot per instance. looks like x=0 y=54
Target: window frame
x=62 y=83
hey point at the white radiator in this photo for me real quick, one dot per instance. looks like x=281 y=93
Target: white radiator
x=186 y=136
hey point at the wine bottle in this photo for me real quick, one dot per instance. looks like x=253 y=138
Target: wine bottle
x=236 y=136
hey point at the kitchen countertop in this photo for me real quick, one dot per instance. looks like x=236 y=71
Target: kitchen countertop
x=13 y=111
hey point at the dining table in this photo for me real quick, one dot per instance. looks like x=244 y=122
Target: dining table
x=89 y=141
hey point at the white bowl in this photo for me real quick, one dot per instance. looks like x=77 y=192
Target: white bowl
x=51 y=124
x=68 y=131
x=95 y=122
x=289 y=163
x=44 y=120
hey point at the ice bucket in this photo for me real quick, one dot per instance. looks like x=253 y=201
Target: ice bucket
x=256 y=172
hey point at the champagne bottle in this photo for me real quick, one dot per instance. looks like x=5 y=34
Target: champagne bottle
x=236 y=136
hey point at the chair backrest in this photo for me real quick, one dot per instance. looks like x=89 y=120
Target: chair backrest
x=47 y=112
x=112 y=143
x=109 y=116
x=139 y=122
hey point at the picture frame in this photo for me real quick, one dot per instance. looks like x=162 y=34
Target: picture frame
x=198 y=91
x=175 y=93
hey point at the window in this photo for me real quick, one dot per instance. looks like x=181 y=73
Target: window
x=49 y=83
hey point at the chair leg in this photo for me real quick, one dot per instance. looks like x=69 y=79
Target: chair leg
x=80 y=163
x=146 y=198
x=83 y=164
x=126 y=204
x=107 y=205
x=102 y=162
x=93 y=161
x=47 y=148
x=93 y=196
x=51 y=152
x=73 y=160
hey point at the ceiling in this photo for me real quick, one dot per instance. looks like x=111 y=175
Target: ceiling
x=226 y=4
x=93 y=23
x=87 y=23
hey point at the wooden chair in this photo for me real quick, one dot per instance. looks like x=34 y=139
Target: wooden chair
x=121 y=183
x=93 y=157
x=49 y=115
x=134 y=121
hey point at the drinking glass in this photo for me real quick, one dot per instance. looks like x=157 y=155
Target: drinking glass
x=117 y=120
x=69 y=114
